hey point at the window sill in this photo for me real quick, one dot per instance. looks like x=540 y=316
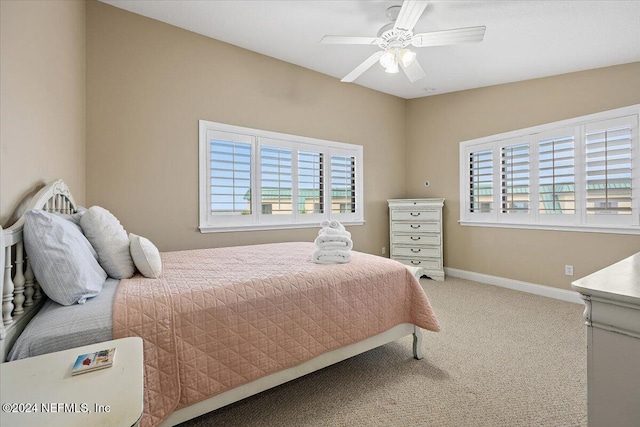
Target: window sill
x=265 y=227
x=611 y=229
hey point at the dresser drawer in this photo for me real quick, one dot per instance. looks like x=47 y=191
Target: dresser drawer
x=415 y=227
x=417 y=215
x=416 y=239
x=428 y=264
x=403 y=251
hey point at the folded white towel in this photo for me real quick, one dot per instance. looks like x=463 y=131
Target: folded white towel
x=320 y=256
x=332 y=247
x=333 y=241
x=332 y=224
x=329 y=230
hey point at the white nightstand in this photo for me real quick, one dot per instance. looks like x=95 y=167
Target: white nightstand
x=107 y=397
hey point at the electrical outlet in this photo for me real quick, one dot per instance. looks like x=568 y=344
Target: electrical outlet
x=384 y=250
x=568 y=270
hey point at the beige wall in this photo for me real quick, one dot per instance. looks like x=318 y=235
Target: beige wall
x=42 y=98
x=149 y=83
x=437 y=124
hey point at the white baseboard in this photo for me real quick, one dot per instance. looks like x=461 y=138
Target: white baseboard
x=532 y=288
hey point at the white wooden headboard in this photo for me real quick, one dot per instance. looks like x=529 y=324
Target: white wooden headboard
x=21 y=295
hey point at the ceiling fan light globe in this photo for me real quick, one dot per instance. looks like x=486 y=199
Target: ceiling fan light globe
x=393 y=68
x=407 y=57
x=387 y=59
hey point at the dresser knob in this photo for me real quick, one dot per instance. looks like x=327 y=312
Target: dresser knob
x=415 y=214
x=415 y=250
x=416 y=262
x=415 y=226
x=415 y=238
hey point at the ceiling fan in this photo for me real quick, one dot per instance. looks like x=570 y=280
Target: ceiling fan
x=395 y=38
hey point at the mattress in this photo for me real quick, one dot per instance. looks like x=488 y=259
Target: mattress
x=220 y=318
x=57 y=327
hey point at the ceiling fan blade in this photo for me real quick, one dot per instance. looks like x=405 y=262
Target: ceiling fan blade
x=362 y=67
x=414 y=72
x=446 y=37
x=349 y=40
x=409 y=14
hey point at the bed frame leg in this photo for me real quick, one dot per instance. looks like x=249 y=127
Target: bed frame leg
x=417 y=343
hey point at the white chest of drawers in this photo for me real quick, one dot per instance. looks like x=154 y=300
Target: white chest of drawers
x=416 y=234
x=612 y=316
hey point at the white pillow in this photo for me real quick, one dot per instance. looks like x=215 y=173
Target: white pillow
x=61 y=258
x=145 y=256
x=110 y=240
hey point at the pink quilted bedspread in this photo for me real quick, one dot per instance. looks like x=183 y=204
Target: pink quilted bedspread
x=220 y=318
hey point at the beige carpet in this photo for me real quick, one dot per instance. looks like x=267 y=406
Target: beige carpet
x=503 y=358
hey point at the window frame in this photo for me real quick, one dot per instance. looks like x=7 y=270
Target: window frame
x=209 y=223
x=579 y=221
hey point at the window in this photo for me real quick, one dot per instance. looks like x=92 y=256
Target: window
x=276 y=172
x=230 y=174
x=343 y=190
x=480 y=170
x=514 y=179
x=578 y=174
x=310 y=182
x=608 y=167
x=252 y=180
x=556 y=174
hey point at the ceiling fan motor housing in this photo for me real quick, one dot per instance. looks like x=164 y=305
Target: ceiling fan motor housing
x=395 y=39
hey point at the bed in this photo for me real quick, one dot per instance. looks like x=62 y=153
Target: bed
x=219 y=324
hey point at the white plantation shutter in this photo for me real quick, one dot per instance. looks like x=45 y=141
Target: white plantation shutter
x=608 y=164
x=230 y=176
x=514 y=179
x=276 y=180
x=578 y=174
x=252 y=179
x=480 y=183
x=310 y=182
x=556 y=174
x=343 y=184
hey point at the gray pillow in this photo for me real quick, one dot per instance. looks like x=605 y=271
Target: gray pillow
x=74 y=218
x=61 y=258
x=110 y=240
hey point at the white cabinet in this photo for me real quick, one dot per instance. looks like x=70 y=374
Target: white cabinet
x=416 y=234
x=612 y=316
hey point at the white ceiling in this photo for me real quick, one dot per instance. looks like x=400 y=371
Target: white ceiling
x=523 y=40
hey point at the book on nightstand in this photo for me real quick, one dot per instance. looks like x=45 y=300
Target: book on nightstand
x=93 y=361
